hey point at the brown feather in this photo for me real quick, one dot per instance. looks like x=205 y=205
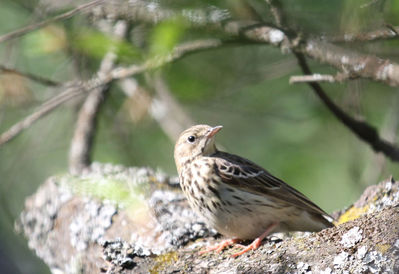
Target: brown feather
x=255 y=179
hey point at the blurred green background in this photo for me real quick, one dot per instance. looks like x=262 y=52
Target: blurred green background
x=285 y=128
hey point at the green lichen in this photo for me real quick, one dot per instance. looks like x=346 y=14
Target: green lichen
x=164 y=260
x=123 y=193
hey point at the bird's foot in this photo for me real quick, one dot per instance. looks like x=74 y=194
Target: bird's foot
x=219 y=247
x=257 y=242
x=254 y=245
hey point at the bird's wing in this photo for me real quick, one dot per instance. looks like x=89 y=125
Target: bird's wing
x=246 y=175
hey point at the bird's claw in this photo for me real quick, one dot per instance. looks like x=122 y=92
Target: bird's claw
x=254 y=245
x=219 y=247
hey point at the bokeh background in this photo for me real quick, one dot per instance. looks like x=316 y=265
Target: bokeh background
x=284 y=128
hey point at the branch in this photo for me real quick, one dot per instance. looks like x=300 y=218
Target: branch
x=158 y=61
x=339 y=77
x=389 y=32
x=30 y=76
x=346 y=60
x=82 y=142
x=350 y=62
x=311 y=78
x=275 y=8
x=44 y=109
x=353 y=63
x=77 y=88
x=362 y=129
x=68 y=14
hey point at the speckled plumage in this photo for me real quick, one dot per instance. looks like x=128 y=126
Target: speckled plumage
x=237 y=197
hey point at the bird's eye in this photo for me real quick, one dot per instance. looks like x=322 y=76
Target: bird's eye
x=191 y=139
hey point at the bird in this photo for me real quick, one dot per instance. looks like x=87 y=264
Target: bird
x=237 y=197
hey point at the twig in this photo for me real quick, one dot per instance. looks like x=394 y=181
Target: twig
x=44 y=109
x=389 y=32
x=177 y=53
x=339 y=77
x=68 y=14
x=30 y=76
x=312 y=78
x=76 y=89
x=393 y=29
x=362 y=129
x=82 y=142
x=352 y=63
x=275 y=9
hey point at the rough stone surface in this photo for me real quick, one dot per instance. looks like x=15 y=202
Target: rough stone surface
x=135 y=220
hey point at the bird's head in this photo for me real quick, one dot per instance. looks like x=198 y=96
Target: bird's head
x=193 y=142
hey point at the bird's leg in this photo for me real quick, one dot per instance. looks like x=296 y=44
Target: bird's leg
x=219 y=247
x=257 y=242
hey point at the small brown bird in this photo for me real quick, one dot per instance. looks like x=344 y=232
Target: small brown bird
x=238 y=198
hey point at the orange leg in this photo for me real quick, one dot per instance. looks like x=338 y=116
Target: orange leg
x=220 y=247
x=257 y=242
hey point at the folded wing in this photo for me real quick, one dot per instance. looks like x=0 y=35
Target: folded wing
x=246 y=175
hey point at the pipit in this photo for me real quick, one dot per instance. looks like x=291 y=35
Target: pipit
x=238 y=198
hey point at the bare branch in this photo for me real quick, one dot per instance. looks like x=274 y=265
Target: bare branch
x=357 y=64
x=393 y=29
x=312 y=78
x=361 y=129
x=158 y=61
x=82 y=141
x=275 y=9
x=346 y=60
x=389 y=32
x=339 y=77
x=44 y=109
x=76 y=89
x=36 y=78
x=68 y=14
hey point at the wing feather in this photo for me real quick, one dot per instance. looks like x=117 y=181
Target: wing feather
x=246 y=175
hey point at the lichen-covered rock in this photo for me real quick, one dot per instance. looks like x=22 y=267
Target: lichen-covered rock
x=135 y=220
x=109 y=206
x=374 y=198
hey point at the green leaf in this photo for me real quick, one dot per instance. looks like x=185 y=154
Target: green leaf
x=165 y=36
x=97 y=44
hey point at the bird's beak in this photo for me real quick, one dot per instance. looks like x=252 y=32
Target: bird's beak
x=212 y=131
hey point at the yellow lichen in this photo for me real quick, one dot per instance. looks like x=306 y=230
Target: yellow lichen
x=352 y=214
x=383 y=247
x=163 y=260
